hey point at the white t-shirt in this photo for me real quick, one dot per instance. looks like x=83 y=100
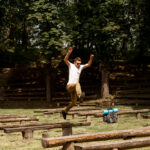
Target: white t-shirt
x=74 y=73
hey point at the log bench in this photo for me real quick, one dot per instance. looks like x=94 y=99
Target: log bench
x=68 y=141
x=21 y=120
x=116 y=145
x=88 y=114
x=137 y=112
x=11 y=116
x=48 y=110
x=73 y=112
x=77 y=113
x=27 y=130
x=121 y=112
x=58 y=110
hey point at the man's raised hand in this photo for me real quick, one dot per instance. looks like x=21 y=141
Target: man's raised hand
x=70 y=50
x=92 y=56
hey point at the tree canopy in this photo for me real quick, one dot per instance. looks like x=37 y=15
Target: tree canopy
x=41 y=31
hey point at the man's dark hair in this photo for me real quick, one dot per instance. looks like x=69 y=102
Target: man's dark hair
x=78 y=59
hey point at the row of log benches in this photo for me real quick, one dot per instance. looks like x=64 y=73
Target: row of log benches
x=67 y=140
x=28 y=129
x=88 y=112
x=124 y=139
x=70 y=142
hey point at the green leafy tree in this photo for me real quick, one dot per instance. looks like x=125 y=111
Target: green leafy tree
x=47 y=34
x=112 y=30
x=47 y=31
x=13 y=43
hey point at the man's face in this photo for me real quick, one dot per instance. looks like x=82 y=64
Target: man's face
x=77 y=63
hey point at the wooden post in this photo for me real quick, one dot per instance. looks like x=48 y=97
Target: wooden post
x=74 y=116
x=88 y=118
x=45 y=135
x=67 y=131
x=104 y=82
x=48 y=84
x=138 y=115
x=70 y=145
x=22 y=122
x=27 y=134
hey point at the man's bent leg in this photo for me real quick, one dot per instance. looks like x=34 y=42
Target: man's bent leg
x=73 y=101
x=78 y=90
x=71 y=87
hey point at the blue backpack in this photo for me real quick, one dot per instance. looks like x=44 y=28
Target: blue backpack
x=110 y=116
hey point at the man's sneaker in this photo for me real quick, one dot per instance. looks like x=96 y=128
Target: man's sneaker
x=64 y=114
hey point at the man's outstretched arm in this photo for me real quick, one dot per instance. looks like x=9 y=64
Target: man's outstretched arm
x=66 y=59
x=89 y=62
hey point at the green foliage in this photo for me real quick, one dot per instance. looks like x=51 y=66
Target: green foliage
x=37 y=31
x=47 y=30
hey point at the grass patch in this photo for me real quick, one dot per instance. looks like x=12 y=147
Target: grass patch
x=14 y=141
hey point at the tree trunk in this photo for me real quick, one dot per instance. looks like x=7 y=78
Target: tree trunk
x=48 y=83
x=105 y=83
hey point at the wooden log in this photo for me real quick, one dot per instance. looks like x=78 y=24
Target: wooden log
x=131 y=102
x=24 y=89
x=27 y=131
x=8 y=115
x=18 y=119
x=125 y=112
x=141 y=96
x=22 y=98
x=40 y=111
x=48 y=110
x=26 y=125
x=58 y=141
x=43 y=127
x=25 y=93
x=67 y=98
x=85 y=109
x=91 y=113
x=11 y=116
x=134 y=143
x=85 y=112
x=72 y=111
x=133 y=91
x=134 y=111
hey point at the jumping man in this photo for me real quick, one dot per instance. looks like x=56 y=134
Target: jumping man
x=73 y=85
